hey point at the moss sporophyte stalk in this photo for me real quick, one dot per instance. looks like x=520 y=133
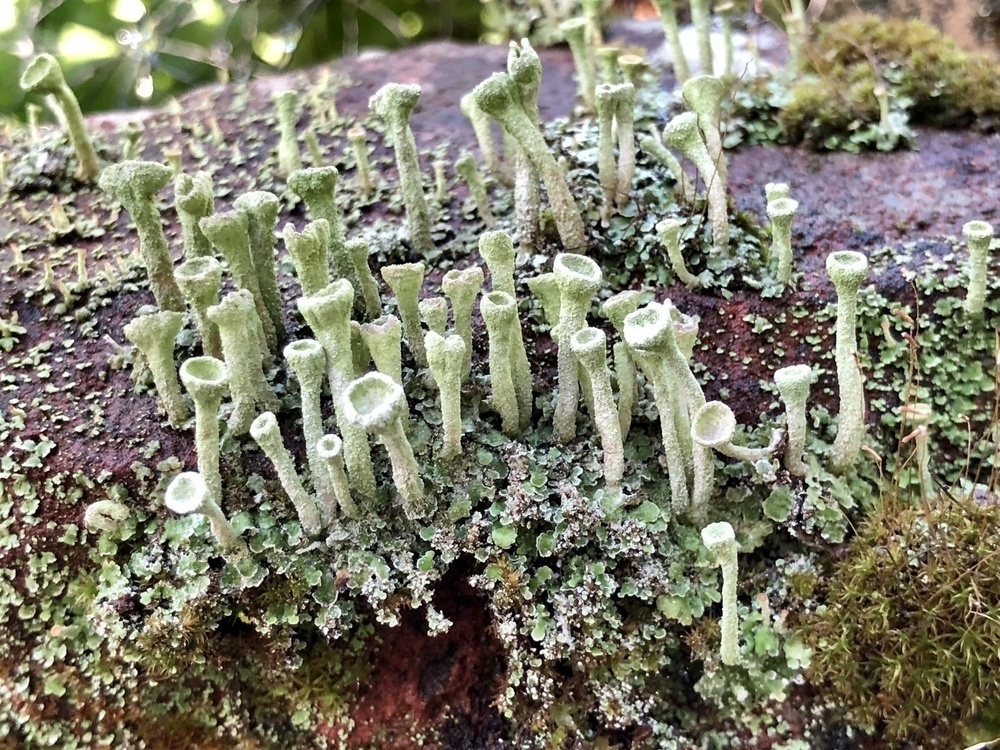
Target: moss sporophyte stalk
x=412 y=419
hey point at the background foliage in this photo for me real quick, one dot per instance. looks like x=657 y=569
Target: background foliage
x=120 y=54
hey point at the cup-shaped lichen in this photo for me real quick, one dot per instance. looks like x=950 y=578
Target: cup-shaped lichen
x=484 y=136
x=199 y=280
x=434 y=313
x=133 y=184
x=358 y=251
x=499 y=97
x=307 y=360
x=704 y=95
x=317 y=186
x=384 y=337
x=625 y=133
x=154 y=334
x=330 y=450
x=714 y=425
x=445 y=357
x=575 y=32
x=44 y=76
x=669 y=231
x=260 y=208
x=497 y=249
x=672 y=31
x=405 y=280
x=266 y=433
x=793 y=386
x=375 y=403
x=308 y=250
x=616 y=308
x=500 y=315
x=188 y=492
x=194 y=199
x=579 y=279
x=207 y=380
x=606 y=101
x=781 y=211
x=288 y=109
x=244 y=359
x=847 y=269
x=328 y=314
x=461 y=288
x=979 y=235
x=465 y=167
x=720 y=539
x=590 y=348
x=682 y=133
x=394 y=103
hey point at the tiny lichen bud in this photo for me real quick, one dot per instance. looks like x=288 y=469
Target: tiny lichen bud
x=189 y=493
x=632 y=68
x=44 y=76
x=265 y=432
x=133 y=184
x=105 y=515
x=775 y=190
x=375 y=403
x=720 y=540
x=154 y=335
x=405 y=280
x=359 y=143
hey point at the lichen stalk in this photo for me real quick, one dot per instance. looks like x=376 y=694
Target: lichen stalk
x=406 y=280
x=793 y=386
x=199 y=280
x=484 y=137
x=575 y=32
x=265 y=432
x=376 y=404
x=207 y=380
x=625 y=131
x=307 y=360
x=188 y=492
x=330 y=450
x=445 y=357
x=682 y=133
x=497 y=249
x=466 y=168
x=328 y=314
x=616 y=308
x=384 y=337
x=652 y=146
x=671 y=29
x=979 y=235
x=308 y=250
x=499 y=97
x=461 y=287
x=44 y=76
x=703 y=95
x=317 y=186
x=244 y=359
x=720 y=540
x=394 y=103
x=359 y=251
x=499 y=314
x=700 y=18
x=579 y=279
x=288 y=109
x=525 y=70
x=669 y=231
x=919 y=418
x=358 y=138
x=134 y=184
x=194 y=199
x=589 y=345
x=154 y=335
x=607 y=60
x=847 y=269
x=229 y=232
x=605 y=97
x=260 y=208
x=781 y=212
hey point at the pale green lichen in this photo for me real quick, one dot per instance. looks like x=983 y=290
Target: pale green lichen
x=979 y=235
x=461 y=288
x=207 y=380
x=445 y=358
x=189 y=493
x=154 y=334
x=194 y=199
x=199 y=280
x=330 y=450
x=317 y=186
x=308 y=250
x=264 y=430
x=384 y=338
x=260 y=209
x=406 y=280
x=307 y=360
x=793 y=386
x=288 y=108
x=781 y=212
x=720 y=540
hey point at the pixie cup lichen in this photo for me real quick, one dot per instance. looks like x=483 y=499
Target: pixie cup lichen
x=308 y=250
x=394 y=103
x=384 y=337
x=979 y=235
x=288 y=109
x=44 y=76
x=405 y=280
x=154 y=334
x=500 y=316
x=781 y=211
x=260 y=208
x=307 y=360
x=669 y=231
x=207 y=380
x=375 y=403
x=847 y=269
x=199 y=280
x=264 y=430
x=793 y=386
x=461 y=288
x=720 y=540
x=194 y=199
x=714 y=426
x=187 y=493
x=134 y=184
x=330 y=450
x=465 y=167
x=317 y=186
x=445 y=357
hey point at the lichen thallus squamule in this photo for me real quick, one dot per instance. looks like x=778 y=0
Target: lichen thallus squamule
x=654 y=338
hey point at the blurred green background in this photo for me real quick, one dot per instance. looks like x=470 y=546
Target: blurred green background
x=120 y=54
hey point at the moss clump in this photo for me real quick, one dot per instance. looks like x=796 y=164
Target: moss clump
x=921 y=77
x=908 y=637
